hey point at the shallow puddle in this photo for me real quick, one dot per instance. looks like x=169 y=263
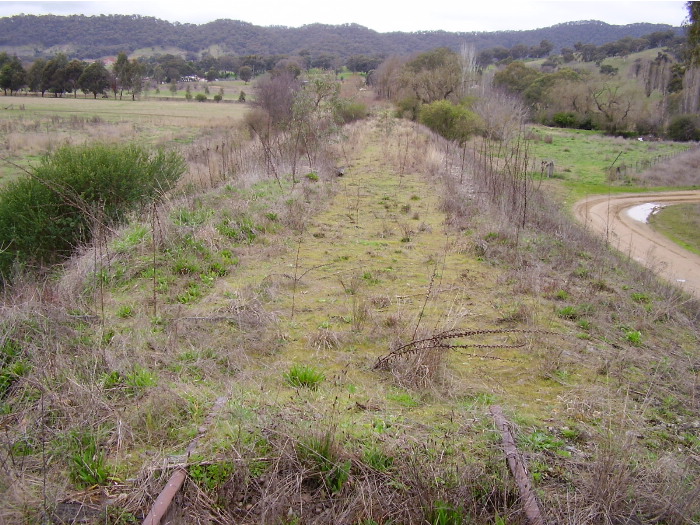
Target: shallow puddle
x=642 y=212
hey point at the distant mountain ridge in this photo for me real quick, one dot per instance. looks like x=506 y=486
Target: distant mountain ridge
x=86 y=37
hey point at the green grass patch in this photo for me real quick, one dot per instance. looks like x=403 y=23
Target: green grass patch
x=583 y=159
x=304 y=376
x=681 y=224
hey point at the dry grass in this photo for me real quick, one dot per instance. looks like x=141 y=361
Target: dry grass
x=40 y=125
x=682 y=170
x=612 y=420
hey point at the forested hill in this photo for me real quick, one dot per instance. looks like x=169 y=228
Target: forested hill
x=85 y=37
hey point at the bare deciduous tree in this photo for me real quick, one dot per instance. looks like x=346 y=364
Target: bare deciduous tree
x=275 y=94
x=468 y=55
x=386 y=79
x=503 y=114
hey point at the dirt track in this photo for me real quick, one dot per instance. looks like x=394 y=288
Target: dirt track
x=607 y=214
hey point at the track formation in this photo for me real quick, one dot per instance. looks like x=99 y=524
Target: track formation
x=608 y=215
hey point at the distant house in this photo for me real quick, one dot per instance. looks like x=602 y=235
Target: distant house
x=192 y=78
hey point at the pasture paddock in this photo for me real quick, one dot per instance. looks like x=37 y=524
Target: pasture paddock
x=33 y=126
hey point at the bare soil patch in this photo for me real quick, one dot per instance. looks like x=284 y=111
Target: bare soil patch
x=607 y=215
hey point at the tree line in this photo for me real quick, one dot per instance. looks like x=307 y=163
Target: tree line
x=453 y=94
x=59 y=76
x=585 y=52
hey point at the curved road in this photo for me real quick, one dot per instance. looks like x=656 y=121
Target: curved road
x=607 y=215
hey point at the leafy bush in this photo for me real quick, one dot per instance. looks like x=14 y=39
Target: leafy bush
x=349 y=111
x=684 y=128
x=200 y=97
x=449 y=120
x=564 y=120
x=408 y=107
x=44 y=217
x=607 y=69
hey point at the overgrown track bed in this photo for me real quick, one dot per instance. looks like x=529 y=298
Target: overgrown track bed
x=282 y=296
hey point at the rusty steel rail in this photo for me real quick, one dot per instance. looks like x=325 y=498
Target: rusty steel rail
x=517 y=466
x=165 y=498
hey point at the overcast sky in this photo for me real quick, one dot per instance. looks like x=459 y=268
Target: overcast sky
x=380 y=15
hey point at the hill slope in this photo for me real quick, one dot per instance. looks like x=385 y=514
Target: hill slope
x=96 y=36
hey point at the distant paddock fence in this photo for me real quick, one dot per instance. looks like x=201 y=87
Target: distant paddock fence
x=626 y=170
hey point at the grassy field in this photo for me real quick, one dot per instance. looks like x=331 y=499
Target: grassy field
x=232 y=90
x=32 y=126
x=680 y=223
x=586 y=162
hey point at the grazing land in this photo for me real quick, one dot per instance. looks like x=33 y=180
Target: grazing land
x=33 y=126
x=589 y=162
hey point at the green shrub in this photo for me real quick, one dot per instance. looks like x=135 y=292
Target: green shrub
x=564 y=120
x=44 y=217
x=607 y=69
x=684 y=128
x=349 y=111
x=408 y=107
x=449 y=120
x=200 y=97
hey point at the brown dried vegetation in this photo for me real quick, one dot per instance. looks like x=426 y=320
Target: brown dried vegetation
x=499 y=296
